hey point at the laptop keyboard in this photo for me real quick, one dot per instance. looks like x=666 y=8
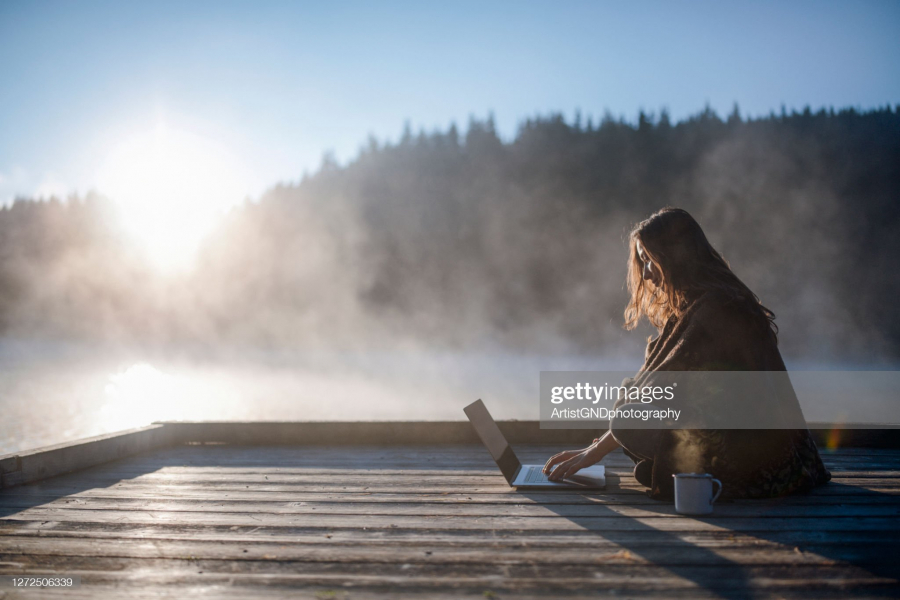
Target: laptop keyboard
x=535 y=475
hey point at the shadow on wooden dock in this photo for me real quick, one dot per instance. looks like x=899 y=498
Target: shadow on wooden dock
x=730 y=578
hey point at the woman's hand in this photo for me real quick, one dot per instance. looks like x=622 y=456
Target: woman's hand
x=565 y=464
x=570 y=462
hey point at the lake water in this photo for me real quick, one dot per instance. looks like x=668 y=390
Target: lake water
x=52 y=392
x=56 y=392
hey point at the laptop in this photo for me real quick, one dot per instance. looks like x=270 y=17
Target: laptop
x=527 y=477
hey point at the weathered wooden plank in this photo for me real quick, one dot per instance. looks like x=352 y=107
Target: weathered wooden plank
x=425 y=571
x=388 y=537
x=349 y=473
x=475 y=448
x=46 y=493
x=388 y=540
x=450 y=453
x=132 y=468
x=454 y=455
x=425 y=552
x=610 y=521
x=380 y=487
x=149 y=587
x=192 y=451
x=428 y=457
x=624 y=487
x=128 y=470
x=132 y=471
x=424 y=574
x=886 y=489
x=22 y=507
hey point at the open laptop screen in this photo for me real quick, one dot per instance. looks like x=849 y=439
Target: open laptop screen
x=491 y=436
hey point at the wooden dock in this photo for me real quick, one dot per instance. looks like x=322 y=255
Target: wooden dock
x=209 y=512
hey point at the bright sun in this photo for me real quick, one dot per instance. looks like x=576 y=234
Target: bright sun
x=170 y=187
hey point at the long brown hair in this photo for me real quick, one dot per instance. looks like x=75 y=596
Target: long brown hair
x=688 y=266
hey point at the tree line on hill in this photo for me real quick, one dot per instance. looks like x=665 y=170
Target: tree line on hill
x=462 y=239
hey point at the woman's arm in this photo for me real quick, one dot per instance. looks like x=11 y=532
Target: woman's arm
x=571 y=461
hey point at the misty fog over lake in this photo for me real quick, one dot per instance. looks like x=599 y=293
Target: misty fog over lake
x=57 y=392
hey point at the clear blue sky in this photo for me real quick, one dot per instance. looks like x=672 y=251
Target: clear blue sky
x=279 y=83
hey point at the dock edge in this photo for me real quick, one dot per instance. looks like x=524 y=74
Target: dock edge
x=49 y=461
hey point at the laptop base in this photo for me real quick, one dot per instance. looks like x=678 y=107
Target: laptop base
x=531 y=477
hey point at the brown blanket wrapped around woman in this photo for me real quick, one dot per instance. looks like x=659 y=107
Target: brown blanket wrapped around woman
x=718 y=333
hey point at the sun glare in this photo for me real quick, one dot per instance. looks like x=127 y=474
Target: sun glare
x=170 y=187
x=142 y=394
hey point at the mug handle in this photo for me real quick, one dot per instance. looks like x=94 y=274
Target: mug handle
x=714 y=498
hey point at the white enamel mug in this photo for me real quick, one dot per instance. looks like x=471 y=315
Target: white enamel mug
x=694 y=493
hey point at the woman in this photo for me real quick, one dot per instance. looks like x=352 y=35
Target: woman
x=708 y=320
